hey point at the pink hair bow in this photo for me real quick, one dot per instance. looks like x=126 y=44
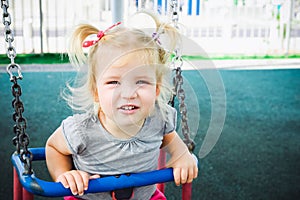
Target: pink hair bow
x=100 y=35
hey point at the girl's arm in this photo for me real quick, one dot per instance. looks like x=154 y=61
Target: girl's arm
x=60 y=165
x=184 y=165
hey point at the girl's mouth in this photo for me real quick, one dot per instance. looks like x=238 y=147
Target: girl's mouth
x=129 y=107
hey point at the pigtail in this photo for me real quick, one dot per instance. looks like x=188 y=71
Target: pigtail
x=170 y=35
x=168 y=38
x=78 y=94
x=166 y=35
x=76 y=54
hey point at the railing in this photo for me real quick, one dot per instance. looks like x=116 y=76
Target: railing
x=42 y=26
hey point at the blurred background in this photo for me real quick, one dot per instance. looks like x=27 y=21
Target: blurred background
x=244 y=27
x=243 y=61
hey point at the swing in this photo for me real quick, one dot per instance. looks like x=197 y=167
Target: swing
x=26 y=184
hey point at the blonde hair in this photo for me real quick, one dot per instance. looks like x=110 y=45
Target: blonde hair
x=123 y=40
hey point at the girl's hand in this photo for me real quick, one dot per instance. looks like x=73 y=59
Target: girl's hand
x=76 y=180
x=182 y=161
x=184 y=168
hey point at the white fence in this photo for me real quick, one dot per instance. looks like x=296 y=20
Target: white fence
x=218 y=27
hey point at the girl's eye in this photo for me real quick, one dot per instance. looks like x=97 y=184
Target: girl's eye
x=142 y=82
x=113 y=82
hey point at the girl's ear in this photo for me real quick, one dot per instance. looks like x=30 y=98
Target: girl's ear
x=157 y=90
x=96 y=96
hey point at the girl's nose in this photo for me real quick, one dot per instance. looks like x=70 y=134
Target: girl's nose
x=128 y=91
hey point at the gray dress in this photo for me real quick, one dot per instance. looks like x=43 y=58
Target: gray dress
x=96 y=151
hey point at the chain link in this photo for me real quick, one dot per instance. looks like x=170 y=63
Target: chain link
x=21 y=139
x=177 y=63
x=8 y=33
x=179 y=92
x=175 y=17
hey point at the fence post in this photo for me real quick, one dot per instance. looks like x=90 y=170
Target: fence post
x=288 y=26
x=117 y=9
x=41 y=27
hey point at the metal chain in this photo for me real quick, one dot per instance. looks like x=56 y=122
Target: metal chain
x=177 y=63
x=21 y=139
x=175 y=18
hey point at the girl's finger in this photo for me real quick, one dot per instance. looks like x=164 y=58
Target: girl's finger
x=95 y=176
x=85 y=178
x=195 y=172
x=71 y=182
x=63 y=180
x=191 y=175
x=183 y=176
x=176 y=174
x=79 y=182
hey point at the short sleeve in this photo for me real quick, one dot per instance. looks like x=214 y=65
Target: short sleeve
x=71 y=128
x=170 y=119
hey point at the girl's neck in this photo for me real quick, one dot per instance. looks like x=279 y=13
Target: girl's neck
x=118 y=131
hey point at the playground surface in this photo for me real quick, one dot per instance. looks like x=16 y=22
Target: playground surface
x=256 y=156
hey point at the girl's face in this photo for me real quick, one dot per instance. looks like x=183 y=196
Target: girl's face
x=126 y=92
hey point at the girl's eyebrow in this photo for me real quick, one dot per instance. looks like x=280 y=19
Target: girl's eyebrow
x=136 y=77
x=110 y=77
x=144 y=76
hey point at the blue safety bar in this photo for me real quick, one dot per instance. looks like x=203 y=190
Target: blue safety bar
x=55 y=189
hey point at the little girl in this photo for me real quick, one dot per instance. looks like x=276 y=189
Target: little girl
x=123 y=119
